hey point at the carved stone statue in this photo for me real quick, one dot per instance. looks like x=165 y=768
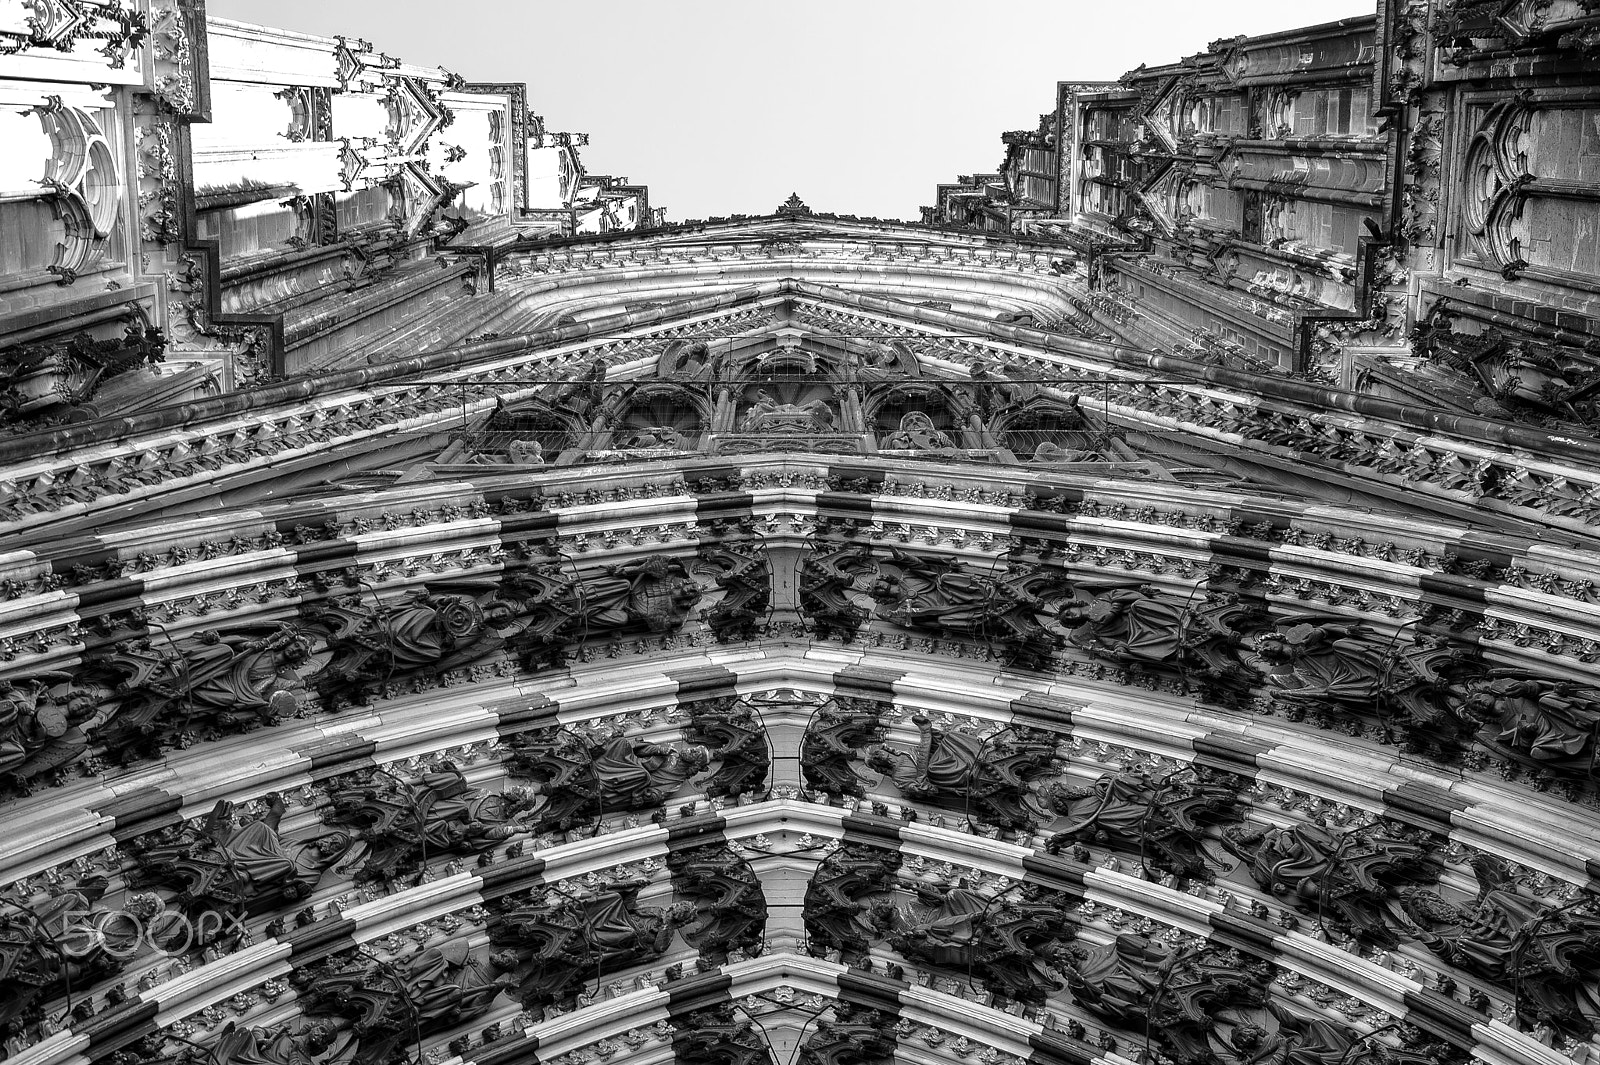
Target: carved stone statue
x=730 y=908
x=208 y=685
x=767 y=415
x=1163 y=820
x=1544 y=723
x=849 y=903
x=1347 y=668
x=389 y=1004
x=918 y=433
x=1118 y=980
x=319 y=1043
x=832 y=592
x=1013 y=942
x=1013 y=609
x=583 y=778
x=649 y=438
x=559 y=939
x=1206 y=1004
x=50 y=944
x=654 y=593
x=47 y=723
x=400 y=824
x=1197 y=636
x=1351 y=881
x=374 y=642
x=525 y=453
x=835 y=738
x=1547 y=956
x=987 y=778
x=252 y=868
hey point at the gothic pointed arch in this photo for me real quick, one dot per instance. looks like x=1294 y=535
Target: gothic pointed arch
x=840 y=672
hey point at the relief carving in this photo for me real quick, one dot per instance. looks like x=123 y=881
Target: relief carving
x=1016 y=942
x=990 y=779
x=398 y=825
x=1350 y=881
x=583 y=776
x=564 y=936
x=1164 y=821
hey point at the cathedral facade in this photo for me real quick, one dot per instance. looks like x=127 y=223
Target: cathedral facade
x=1143 y=612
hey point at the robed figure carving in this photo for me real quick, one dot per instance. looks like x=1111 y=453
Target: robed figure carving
x=246 y=869
x=403 y=823
x=558 y=940
x=1016 y=943
x=1552 y=725
x=1163 y=820
x=209 y=685
x=988 y=778
x=1351 y=881
x=582 y=777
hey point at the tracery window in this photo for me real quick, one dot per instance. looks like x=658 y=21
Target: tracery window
x=1528 y=192
x=60 y=190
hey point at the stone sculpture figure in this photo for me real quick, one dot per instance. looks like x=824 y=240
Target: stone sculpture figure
x=49 y=944
x=1197 y=637
x=730 y=908
x=47 y=723
x=226 y=870
x=1350 y=881
x=732 y=731
x=917 y=432
x=1548 y=724
x=374 y=642
x=652 y=593
x=836 y=737
x=582 y=777
x=1164 y=820
x=205 y=686
x=1118 y=980
x=556 y=941
x=849 y=904
x=1202 y=1004
x=1346 y=668
x=318 y=1043
x=390 y=1004
x=1014 y=943
x=1129 y=624
x=831 y=592
x=767 y=415
x=989 y=778
x=1547 y=956
x=1013 y=609
x=400 y=824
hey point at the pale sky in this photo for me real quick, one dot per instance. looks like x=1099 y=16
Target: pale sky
x=725 y=106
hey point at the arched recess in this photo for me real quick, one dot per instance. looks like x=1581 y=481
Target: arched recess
x=969 y=276
x=408 y=654
x=63 y=162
